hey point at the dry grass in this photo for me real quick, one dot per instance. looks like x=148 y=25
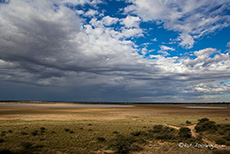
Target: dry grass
x=87 y=124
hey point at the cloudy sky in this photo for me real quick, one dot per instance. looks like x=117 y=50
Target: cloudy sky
x=115 y=50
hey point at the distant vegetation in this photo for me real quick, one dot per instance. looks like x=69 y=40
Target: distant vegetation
x=144 y=131
x=219 y=133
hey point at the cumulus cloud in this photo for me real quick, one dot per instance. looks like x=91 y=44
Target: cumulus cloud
x=131 y=21
x=107 y=20
x=163 y=47
x=228 y=44
x=48 y=47
x=192 y=18
x=91 y=13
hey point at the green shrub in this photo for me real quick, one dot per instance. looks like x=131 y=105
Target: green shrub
x=228 y=143
x=6 y=151
x=35 y=132
x=135 y=147
x=221 y=151
x=39 y=146
x=115 y=132
x=3 y=133
x=164 y=136
x=221 y=132
x=26 y=145
x=227 y=137
x=206 y=125
x=66 y=129
x=203 y=120
x=24 y=133
x=199 y=137
x=101 y=139
x=157 y=128
x=163 y=133
x=185 y=132
x=137 y=133
x=10 y=131
x=71 y=132
x=220 y=141
x=1 y=140
x=122 y=144
x=43 y=128
x=188 y=122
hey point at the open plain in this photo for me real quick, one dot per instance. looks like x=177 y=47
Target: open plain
x=95 y=128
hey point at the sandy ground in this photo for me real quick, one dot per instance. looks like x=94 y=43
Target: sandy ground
x=26 y=111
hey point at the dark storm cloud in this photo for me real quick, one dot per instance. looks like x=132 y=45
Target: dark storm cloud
x=52 y=55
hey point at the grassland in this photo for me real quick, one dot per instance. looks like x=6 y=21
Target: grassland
x=56 y=128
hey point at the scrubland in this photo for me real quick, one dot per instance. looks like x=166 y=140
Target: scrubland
x=159 y=128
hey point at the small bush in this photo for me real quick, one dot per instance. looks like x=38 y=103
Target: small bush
x=10 y=131
x=137 y=133
x=221 y=132
x=43 y=128
x=206 y=125
x=71 y=132
x=115 y=132
x=66 y=129
x=6 y=151
x=188 y=122
x=185 y=132
x=42 y=139
x=26 y=145
x=203 y=120
x=3 y=133
x=220 y=141
x=227 y=137
x=1 y=140
x=199 y=137
x=101 y=139
x=24 y=133
x=135 y=147
x=228 y=143
x=164 y=136
x=39 y=146
x=221 y=151
x=122 y=144
x=157 y=128
x=35 y=132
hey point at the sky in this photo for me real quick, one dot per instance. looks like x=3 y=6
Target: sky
x=115 y=50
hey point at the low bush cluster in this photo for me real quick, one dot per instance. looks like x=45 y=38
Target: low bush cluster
x=122 y=144
x=185 y=132
x=222 y=131
x=205 y=125
x=164 y=133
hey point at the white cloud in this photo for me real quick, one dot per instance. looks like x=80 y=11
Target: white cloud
x=91 y=13
x=47 y=47
x=163 y=47
x=187 y=17
x=82 y=2
x=132 y=32
x=165 y=53
x=154 y=40
x=131 y=21
x=107 y=20
x=228 y=44
x=187 y=41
